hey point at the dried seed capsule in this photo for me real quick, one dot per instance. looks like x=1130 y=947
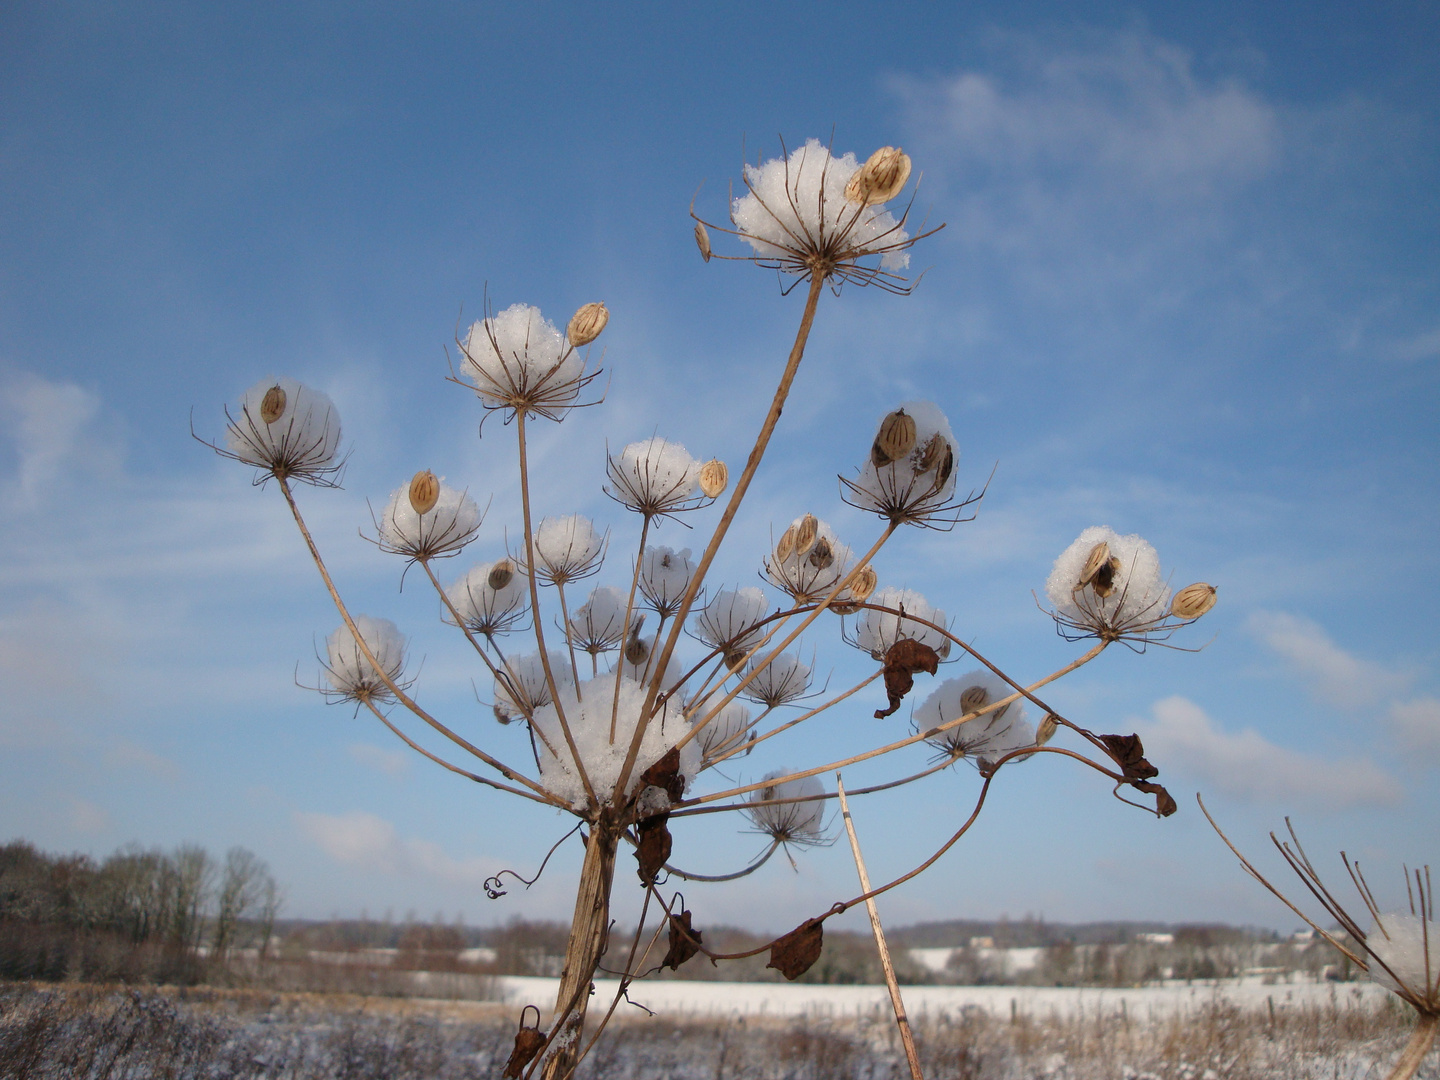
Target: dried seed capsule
x=637 y=650
x=864 y=583
x=424 y=491
x=786 y=547
x=936 y=455
x=272 y=406
x=974 y=699
x=702 y=240
x=586 y=324
x=500 y=574
x=805 y=534
x=880 y=178
x=1047 y=729
x=896 y=438
x=1100 y=570
x=1193 y=601
x=713 y=478
x=822 y=557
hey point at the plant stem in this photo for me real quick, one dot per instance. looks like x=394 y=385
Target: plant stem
x=901 y=1020
x=1413 y=1056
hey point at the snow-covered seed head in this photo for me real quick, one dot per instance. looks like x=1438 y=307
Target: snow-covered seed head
x=714 y=477
x=1109 y=586
x=448 y=521
x=567 y=548
x=586 y=324
x=654 y=477
x=521 y=686
x=424 y=491
x=490 y=599
x=727 y=730
x=985 y=738
x=1193 y=601
x=729 y=622
x=702 y=240
x=351 y=675
x=272 y=407
x=809 y=561
x=1404 y=947
x=517 y=360
x=1047 y=730
x=789 y=822
x=783 y=680
x=599 y=625
x=664 y=577
x=895 y=439
x=286 y=429
x=881 y=178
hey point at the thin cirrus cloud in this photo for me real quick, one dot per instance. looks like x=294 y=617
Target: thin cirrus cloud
x=1246 y=765
x=368 y=842
x=1331 y=673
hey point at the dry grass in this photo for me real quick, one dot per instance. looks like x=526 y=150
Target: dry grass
x=105 y=1033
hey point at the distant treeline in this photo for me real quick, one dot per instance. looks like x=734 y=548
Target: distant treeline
x=1030 y=932
x=136 y=916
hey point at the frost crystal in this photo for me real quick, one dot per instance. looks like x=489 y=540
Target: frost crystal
x=664 y=577
x=350 y=673
x=729 y=621
x=986 y=738
x=287 y=429
x=795 y=210
x=654 y=477
x=1399 y=941
x=525 y=688
x=518 y=360
x=492 y=598
x=1125 y=596
x=877 y=631
x=725 y=731
x=920 y=484
x=599 y=625
x=567 y=548
x=441 y=531
x=588 y=716
x=780 y=682
x=789 y=822
x=808 y=575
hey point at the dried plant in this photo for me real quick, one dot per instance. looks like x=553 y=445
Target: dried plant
x=624 y=742
x=1400 y=950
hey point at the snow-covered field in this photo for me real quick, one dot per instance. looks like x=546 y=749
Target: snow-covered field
x=703 y=1000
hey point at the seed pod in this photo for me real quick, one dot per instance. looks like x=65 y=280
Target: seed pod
x=1100 y=570
x=702 y=240
x=805 y=534
x=586 y=324
x=863 y=584
x=786 y=547
x=896 y=438
x=974 y=699
x=1193 y=601
x=637 y=650
x=1047 y=729
x=424 y=491
x=713 y=478
x=880 y=178
x=821 y=555
x=937 y=453
x=500 y=574
x=272 y=406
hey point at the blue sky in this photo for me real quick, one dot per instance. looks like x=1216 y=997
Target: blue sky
x=1188 y=288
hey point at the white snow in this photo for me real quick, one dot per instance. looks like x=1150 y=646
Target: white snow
x=1140 y=594
x=442 y=530
x=983 y=738
x=348 y=670
x=877 y=631
x=520 y=353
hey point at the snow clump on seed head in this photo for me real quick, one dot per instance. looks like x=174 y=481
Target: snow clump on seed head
x=521 y=687
x=877 y=631
x=809 y=561
x=1108 y=586
x=725 y=731
x=783 y=680
x=654 y=476
x=729 y=621
x=664 y=576
x=1399 y=941
x=436 y=531
x=985 y=738
x=492 y=598
x=599 y=624
x=518 y=360
x=351 y=675
x=567 y=548
x=289 y=430
x=909 y=475
x=789 y=822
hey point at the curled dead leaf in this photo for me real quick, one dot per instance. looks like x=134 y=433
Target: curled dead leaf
x=1129 y=754
x=685 y=941
x=902 y=661
x=795 y=953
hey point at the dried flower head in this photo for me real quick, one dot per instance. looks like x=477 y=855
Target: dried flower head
x=797 y=218
x=785 y=679
x=599 y=624
x=877 y=630
x=985 y=738
x=655 y=477
x=1192 y=601
x=730 y=622
x=492 y=598
x=726 y=731
x=664 y=576
x=916 y=484
x=1109 y=586
x=714 y=476
x=448 y=522
x=881 y=178
x=586 y=324
x=789 y=822
x=521 y=686
x=566 y=549
x=287 y=430
x=351 y=676
x=518 y=361
x=809 y=561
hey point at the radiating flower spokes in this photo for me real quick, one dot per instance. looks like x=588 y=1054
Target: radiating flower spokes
x=518 y=362
x=286 y=430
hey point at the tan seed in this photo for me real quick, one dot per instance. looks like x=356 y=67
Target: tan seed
x=881 y=178
x=1100 y=570
x=714 y=476
x=864 y=583
x=895 y=439
x=702 y=240
x=786 y=547
x=822 y=557
x=586 y=324
x=637 y=650
x=934 y=455
x=424 y=491
x=974 y=699
x=805 y=534
x=1047 y=730
x=501 y=574
x=272 y=406
x=1193 y=601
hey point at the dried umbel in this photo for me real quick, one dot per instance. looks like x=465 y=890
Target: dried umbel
x=985 y=738
x=876 y=631
x=714 y=476
x=351 y=675
x=1110 y=586
x=810 y=561
x=599 y=624
x=518 y=361
x=730 y=622
x=783 y=680
x=881 y=178
x=492 y=598
x=791 y=811
x=664 y=576
x=424 y=492
x=895 y=439
x=655 y=477
x=586 y=324
x=287 y=430
x=567 y=549
x=1193 y=601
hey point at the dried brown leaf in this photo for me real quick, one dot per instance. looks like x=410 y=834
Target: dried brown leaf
x=902 y=661
x=684 y=941
x=793 y=954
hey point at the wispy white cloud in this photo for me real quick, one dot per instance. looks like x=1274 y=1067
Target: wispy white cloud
x=86 y=817
x=368 y=842
x=51 y=424
x=1246 y=765
x=389 y=762
x=1332 y=673
x=1417 y=726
